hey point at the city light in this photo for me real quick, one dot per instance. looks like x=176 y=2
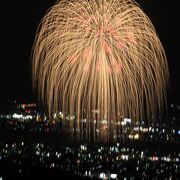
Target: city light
x=91 y=159
x=136 y=136
x=122 y=160
x=113 y=176
x=17 y=116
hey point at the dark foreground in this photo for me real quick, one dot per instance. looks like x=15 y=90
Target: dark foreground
x=35 y=155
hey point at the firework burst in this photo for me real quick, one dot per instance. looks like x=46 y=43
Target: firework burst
x=99 y=60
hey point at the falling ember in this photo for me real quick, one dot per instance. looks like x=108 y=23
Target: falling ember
x=107 y=48
x=86 y=58
x=118 y=68
x=121 y=44
x=87 y=53
x=98 y=66
x=73 y=59
x=131 y=37
x=113 y=32
x=109 y=70
x=86 y=68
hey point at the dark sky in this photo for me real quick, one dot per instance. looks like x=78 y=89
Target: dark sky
x=21 y=21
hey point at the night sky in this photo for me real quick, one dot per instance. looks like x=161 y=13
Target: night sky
x=21 y=21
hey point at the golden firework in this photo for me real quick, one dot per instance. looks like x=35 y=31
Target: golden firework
x=99 y=61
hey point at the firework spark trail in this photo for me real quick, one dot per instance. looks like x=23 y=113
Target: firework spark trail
x=99 y=55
